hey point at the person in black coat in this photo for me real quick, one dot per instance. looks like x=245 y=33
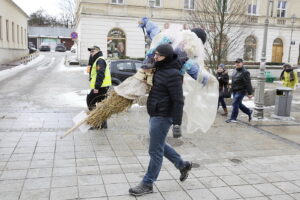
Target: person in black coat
x=241 y=86
x=165 y=107
x=223 y=78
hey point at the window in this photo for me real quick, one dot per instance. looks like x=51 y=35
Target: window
x=157 y=3
x=189 y=4
x=252 y=8
x=116 y=44
x=250 y=49
x=13 y=31
x=18 y=34
x=138 y=65
x=126 y=67
x=281 y=9
x=25 y=36
x=223 y=5
x=117 y=1
x=21 y=35
x=1 y=28
x=7 y=30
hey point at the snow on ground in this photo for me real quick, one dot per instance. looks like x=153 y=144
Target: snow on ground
x=46 y=66
x=4 y=74
x=74 y=98
x=63 y=67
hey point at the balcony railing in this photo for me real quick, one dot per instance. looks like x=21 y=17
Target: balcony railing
x=252 y=19
x=281 y=21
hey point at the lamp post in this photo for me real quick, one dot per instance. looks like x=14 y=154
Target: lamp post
x=293 y=22
x=151 y=5
x=259 y=92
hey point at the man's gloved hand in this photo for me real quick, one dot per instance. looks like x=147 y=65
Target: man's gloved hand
x=176 y=131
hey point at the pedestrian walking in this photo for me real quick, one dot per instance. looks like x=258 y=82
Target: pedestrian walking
x=289 y=76
x=165 y=107
x=223 y=78
x=100 y=80
x=241 y=86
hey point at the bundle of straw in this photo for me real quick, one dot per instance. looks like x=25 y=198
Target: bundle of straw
x=113 y=104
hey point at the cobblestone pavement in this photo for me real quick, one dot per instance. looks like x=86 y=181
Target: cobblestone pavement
x=257 y=161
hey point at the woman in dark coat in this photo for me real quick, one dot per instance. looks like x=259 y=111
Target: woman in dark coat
x=223 y=78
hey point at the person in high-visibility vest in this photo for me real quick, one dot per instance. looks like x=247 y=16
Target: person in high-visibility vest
x=100 y=80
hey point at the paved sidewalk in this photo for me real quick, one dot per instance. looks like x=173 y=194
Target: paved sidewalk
x=257 y=161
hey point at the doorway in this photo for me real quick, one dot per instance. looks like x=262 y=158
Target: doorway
x=277 y=51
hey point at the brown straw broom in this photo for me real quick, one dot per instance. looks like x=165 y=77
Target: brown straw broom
x=113 y=104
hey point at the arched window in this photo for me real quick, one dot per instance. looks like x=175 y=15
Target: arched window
x=116 y=43
x=250 y=49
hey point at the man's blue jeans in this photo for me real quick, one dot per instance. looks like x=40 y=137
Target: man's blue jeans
x=159 y=127
x=237 y=104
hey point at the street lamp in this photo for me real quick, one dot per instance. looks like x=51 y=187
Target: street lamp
x=293 y=22
x=151 y=5
x=259 y=92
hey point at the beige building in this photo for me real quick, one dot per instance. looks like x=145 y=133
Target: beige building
x=112 y=24
x=13 y=32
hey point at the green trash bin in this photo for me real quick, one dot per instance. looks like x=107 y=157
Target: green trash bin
x=269 y=77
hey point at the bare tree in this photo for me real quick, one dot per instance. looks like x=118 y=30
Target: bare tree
x=224 y=22
x=67 y=17
x=42 y=18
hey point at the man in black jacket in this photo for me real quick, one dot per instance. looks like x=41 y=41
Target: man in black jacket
x=241 y=86
x=165 y=107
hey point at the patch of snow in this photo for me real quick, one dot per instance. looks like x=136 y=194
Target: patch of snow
x=76 y=98
x=4 y=74
x=47 y=66
x=63 y=67
x=295 y=102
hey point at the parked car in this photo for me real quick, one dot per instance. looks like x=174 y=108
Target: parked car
x=122 y=69
x=31 y=47
x=60 y=47
x=45 y=47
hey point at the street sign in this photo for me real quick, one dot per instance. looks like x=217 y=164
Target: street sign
x=74 y=35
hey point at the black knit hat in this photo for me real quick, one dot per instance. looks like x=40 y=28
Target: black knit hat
x=200 y=34
x=165 y=50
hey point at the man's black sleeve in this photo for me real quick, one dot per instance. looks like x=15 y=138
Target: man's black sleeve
x=100 y=66
x=174 y=85
x=247 y=79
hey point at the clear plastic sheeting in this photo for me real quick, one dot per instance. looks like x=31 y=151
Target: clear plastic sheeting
x=200 y=104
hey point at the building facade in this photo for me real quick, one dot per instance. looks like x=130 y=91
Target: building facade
x=113 y=25
x=13 y=32
x=50 y=35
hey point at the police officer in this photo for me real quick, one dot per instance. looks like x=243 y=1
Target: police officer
x=100 y=80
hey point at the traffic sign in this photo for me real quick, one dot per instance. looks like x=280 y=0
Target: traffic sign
x=74 y=35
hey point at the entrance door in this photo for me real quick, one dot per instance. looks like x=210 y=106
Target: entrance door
x=277 y=52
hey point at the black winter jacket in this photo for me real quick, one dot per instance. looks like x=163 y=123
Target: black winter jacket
x=223 y=79
x=241 y=81
x=166 y=95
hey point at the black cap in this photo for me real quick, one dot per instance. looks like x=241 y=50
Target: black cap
x=200 y=34
x=94 y=48
x=239 y=60
x=165 y=50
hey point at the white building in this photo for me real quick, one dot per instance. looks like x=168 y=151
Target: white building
x=112 y=24
x=13 y=32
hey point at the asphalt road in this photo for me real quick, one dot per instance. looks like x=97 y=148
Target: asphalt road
x=43 y=85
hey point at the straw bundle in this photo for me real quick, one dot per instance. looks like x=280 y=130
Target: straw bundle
x=113 y=104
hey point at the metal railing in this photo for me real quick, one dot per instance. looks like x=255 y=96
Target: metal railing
x=30 y=57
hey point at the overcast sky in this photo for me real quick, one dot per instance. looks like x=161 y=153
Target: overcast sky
x=29 y=6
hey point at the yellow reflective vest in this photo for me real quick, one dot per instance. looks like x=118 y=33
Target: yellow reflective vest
x=287 y=82
x=107 y=79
